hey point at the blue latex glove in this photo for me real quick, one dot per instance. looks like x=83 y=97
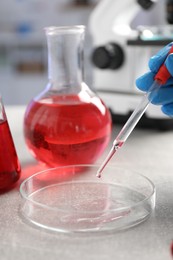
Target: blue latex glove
x=164 y=95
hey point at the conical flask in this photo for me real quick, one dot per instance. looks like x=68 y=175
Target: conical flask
x=10 y=168
x=67 y=123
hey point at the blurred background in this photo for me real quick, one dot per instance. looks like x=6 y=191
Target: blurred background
x=23 y=49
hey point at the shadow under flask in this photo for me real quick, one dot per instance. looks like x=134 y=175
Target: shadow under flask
x=9 y=164
x=67 y=123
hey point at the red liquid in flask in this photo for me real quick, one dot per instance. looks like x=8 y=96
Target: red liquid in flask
x=9 y=163
x=64 y=130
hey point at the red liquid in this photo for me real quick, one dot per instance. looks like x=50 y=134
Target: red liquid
x=9 y=163
x=64 y=130
x=171 y=249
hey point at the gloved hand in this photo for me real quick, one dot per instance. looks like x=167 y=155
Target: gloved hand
x=164 y=95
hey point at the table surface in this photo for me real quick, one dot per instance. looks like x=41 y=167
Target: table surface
x=149 y=152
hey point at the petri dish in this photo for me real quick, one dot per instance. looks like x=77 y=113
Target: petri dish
x=72 y=199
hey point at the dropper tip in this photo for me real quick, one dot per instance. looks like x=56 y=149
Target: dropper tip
x=98 y=175
x=111 y=153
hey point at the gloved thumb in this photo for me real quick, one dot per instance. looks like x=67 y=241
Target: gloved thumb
x=169 y=63
x=157 y=60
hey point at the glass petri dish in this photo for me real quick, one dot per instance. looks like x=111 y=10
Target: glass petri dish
x=73 y=199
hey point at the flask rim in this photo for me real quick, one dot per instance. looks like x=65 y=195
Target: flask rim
x=71 y=29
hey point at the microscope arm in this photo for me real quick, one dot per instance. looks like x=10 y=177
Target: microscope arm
x=109 y=13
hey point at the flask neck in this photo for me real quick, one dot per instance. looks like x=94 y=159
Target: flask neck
x=2 y=111
x=65 y=56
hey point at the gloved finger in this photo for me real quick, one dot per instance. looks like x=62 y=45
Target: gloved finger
x=168 y=109
x=145 y=81
x=162 y=96
x=157 y=60
x=169 y=63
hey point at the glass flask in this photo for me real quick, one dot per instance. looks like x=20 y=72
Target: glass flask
x=9 y=164
x=67 y=123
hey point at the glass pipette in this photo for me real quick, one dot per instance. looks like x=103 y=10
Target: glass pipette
x=160 y=78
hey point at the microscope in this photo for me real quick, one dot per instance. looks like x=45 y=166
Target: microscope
x=121 y=53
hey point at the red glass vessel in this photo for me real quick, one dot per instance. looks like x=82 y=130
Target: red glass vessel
x=9 y=164
x=67 y=123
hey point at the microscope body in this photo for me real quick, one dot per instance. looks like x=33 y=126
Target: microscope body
x=120 y=55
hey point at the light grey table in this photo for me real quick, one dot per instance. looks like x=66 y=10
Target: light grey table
x=149 y=152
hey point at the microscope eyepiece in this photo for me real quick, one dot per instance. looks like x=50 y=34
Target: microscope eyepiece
x=146 y=4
